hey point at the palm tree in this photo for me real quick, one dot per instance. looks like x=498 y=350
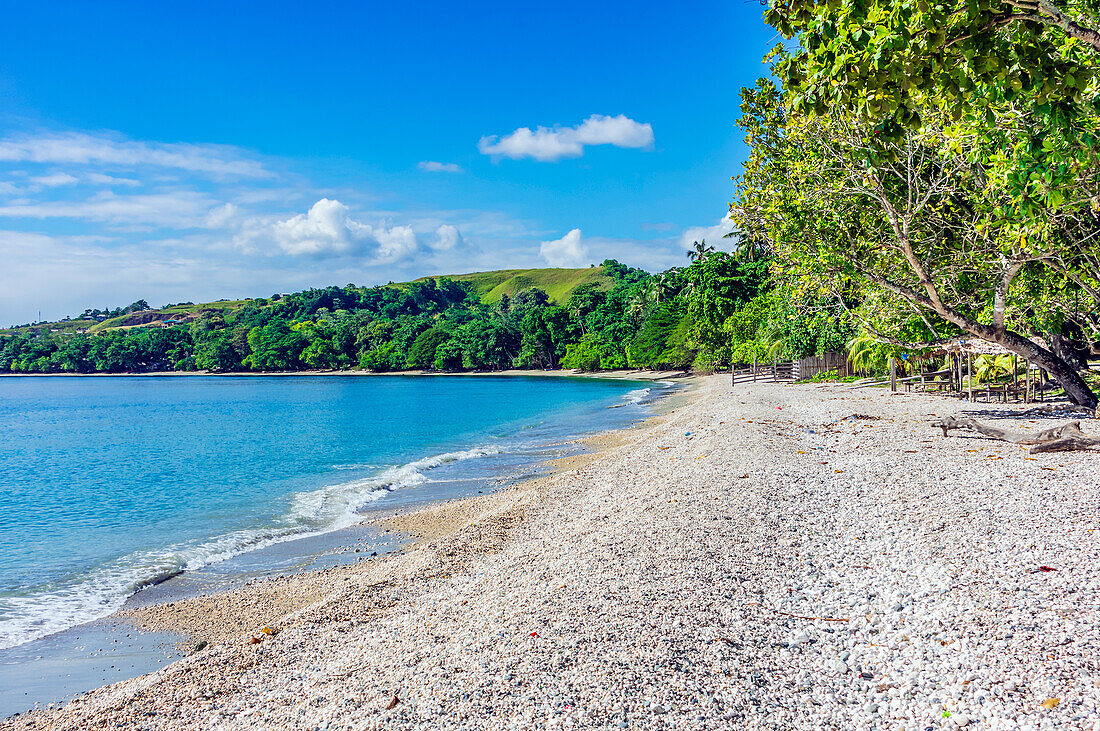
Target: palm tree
x=636 y=306
x=867 y=353
x=659 y=287
x=699 y=250
x=749 y=248
x=990 y=368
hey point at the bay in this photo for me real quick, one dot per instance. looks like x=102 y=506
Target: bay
x=108 y=485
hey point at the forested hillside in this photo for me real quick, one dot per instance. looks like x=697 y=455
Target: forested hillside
x=719 y=309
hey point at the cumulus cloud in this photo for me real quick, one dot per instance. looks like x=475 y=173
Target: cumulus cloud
x=568 y=252
x=550 y=144
x=54 y=179
x=432 y=166
x=328 y=230
x=446 y=238
x=713 y=234
x=79 y=148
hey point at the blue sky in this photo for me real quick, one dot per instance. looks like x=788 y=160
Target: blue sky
x=190 y=151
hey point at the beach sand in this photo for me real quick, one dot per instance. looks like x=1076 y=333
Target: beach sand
x=760 y=556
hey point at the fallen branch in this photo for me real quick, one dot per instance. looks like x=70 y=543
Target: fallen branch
x=1068 y=437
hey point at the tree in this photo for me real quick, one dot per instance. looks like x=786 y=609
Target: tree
x=423 y=350
x=699 y=250
x=275 y=347
x=487 y=344
x=527 y=298
x=915 y=222
x=886 y=60
x=1014 y=79
x=990 y=368
x=448 y=356
x=649 y=344
x=215 y=352
x=583 y=355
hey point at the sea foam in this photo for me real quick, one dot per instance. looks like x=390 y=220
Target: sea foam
x=104 y=589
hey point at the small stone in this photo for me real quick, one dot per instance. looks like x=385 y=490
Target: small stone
x=839 y=666
x=961 y=720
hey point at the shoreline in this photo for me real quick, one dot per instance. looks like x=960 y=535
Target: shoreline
x=201 y=613
x=775 y=557
x=622 y=374
x=224 y=615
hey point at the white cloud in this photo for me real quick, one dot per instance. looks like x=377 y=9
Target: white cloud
x=432 y=166
x=712 y=234
x=78 y=148
x=101 y=179
x=550 y=144
x=328 y=230
x=567 y=252
x=221 y=216
x=446 y=238
x=180 y=209
x=54 y=179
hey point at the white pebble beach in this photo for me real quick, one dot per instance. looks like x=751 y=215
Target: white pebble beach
x=759 y=556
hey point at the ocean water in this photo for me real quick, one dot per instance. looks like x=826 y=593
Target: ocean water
x=109 y=485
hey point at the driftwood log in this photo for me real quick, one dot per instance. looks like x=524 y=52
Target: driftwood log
x=1065 y=438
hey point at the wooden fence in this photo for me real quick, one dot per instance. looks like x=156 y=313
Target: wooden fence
x=809 y=367
x=763 y=372
x=792 y=370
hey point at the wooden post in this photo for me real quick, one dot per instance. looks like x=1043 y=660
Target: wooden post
x=1015 y=381
x=1027 y=382
x=893 y=375
x=970 y=376
x=754 y=367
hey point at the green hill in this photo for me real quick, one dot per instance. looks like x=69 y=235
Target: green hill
x=558 y=283
x=489 y=286
x=167 y=314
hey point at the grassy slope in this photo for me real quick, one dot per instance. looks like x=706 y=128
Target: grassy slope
x=66 y=326
x=169 y=313
x=558 y=283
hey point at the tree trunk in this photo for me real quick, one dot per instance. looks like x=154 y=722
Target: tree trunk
x=1077 y=390
x=1065 y=347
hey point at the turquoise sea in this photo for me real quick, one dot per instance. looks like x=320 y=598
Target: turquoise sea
x=108 y=485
